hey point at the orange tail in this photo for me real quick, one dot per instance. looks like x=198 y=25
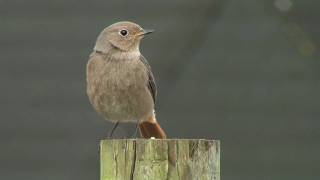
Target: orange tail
x=151 y=129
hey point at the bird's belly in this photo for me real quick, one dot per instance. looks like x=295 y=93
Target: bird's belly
x=126 y=104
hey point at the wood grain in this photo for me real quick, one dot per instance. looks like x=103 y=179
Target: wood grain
x=170 y=159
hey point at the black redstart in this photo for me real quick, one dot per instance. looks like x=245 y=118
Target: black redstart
x=120 y=84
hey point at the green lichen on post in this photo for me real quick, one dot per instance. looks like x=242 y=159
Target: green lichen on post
x=169 y=159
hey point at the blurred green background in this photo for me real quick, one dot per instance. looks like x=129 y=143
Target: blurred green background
x=245 y=72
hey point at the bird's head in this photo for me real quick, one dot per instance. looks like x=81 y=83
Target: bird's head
x=124 y=36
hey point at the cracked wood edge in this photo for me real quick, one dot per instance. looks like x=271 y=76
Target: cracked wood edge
x=169 y=159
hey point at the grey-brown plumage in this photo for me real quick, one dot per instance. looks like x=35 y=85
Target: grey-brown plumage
x=120 y=83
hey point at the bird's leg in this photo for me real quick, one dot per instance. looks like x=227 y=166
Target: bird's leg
x=134 y=135
x=113 y=129
x=111 y=133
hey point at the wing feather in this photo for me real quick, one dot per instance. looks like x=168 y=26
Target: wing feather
x=151 y=82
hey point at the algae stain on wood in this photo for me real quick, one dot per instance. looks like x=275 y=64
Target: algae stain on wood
x=169 y=159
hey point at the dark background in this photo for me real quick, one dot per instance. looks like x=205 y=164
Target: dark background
x=245 y=72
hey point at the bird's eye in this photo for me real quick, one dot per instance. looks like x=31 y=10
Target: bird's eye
x=124 y=32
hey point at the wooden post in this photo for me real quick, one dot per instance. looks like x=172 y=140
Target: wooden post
x=157 y=159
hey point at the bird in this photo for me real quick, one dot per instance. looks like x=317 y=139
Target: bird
x=120 y=84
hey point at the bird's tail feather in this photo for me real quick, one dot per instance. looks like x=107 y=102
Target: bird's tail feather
x=151 y=129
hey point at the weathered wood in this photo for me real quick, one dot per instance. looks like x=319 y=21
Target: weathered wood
x=155 y=159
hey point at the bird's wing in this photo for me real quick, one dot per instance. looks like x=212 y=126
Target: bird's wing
x=151 y=82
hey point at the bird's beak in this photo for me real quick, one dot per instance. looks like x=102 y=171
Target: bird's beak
x=147 y=31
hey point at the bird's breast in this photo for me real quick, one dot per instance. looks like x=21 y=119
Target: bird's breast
x=125 y=74
x=117 y=89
